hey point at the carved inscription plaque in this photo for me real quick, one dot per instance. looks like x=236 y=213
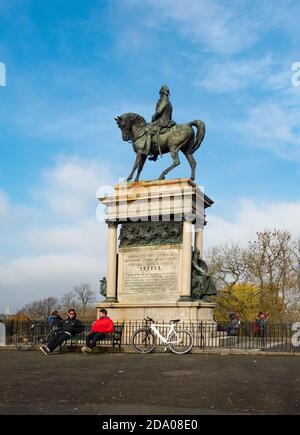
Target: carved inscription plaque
x=151 y=272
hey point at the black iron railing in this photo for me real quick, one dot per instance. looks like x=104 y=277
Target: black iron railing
x=279 y=337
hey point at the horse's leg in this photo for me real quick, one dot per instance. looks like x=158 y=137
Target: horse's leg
x=141 y=165
x=193 y=164
x=136 y=164
x=176 y=162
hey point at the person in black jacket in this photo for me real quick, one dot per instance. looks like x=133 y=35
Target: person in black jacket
x=69 y=327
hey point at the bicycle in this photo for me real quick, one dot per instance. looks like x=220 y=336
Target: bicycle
x=179 y=341
x=28 y=340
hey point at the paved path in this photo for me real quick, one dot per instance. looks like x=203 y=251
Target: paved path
x=31 y=383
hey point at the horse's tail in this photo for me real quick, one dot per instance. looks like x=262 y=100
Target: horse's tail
x=199 y=135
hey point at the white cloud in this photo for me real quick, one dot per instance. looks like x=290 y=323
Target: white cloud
x=65 y=121
x=279 y=80
x=56 y=243
x=274 y=126
x=87 y=237
x=250 y=217
x=3 y=205
x=30 y=278
x=69 y=188
x=229 y=76
x=220 y=27
x=46 y=112
x=228 y=31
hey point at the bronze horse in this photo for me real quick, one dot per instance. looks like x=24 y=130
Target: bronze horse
x=180 y=137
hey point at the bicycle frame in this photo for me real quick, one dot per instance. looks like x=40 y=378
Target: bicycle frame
x=165 y=340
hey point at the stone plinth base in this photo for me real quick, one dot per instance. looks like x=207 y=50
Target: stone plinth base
x=185 y=311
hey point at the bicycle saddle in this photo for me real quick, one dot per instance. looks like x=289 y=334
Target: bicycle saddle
x=175 y=321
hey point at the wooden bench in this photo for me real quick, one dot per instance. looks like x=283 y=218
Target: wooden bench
x=113 y=338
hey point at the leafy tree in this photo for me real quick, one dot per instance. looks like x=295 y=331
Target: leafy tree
x=264 y=276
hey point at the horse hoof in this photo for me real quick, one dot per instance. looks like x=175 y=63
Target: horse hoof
x=162 y=177
x=129 y=178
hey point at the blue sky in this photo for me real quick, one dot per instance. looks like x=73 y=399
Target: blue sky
x=72 y=66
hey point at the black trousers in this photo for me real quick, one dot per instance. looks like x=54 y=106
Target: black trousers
x=57 y=340
x=92 y=338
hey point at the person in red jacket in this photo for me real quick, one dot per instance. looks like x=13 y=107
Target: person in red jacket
x=100 y=328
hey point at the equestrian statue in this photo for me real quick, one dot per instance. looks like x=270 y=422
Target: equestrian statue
x=161 y=136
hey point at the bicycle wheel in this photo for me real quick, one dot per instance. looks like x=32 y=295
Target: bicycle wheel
x=143 y=341
x=24 y=341
x=181 y=341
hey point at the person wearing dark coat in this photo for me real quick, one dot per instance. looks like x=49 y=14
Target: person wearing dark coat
x=68 y=329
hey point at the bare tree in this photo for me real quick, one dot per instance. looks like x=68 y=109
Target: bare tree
x=227 y=265
x=85 y=295
x=40 y=309
x=50 y=304
x=68 y=301
x=294 y=294
x=269 y=267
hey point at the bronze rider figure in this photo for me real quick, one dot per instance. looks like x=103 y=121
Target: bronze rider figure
x=161 y=121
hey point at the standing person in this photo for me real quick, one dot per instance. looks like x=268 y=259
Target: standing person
x=261 y=323
x=100 y=328
x=69 y=327
x=261 y=327
x=234 y=324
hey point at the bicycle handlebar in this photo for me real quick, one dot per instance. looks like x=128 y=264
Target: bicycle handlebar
x=30 y=320
x=148 y=319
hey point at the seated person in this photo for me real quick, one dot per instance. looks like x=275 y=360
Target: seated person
x=100 y=328
x=54 y=320
x=68 y=328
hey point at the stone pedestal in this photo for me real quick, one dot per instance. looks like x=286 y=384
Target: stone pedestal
x=149 y=268
x=112 y=262
x=186 y=311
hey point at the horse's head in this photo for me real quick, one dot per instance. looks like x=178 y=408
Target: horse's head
x=126 y=122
